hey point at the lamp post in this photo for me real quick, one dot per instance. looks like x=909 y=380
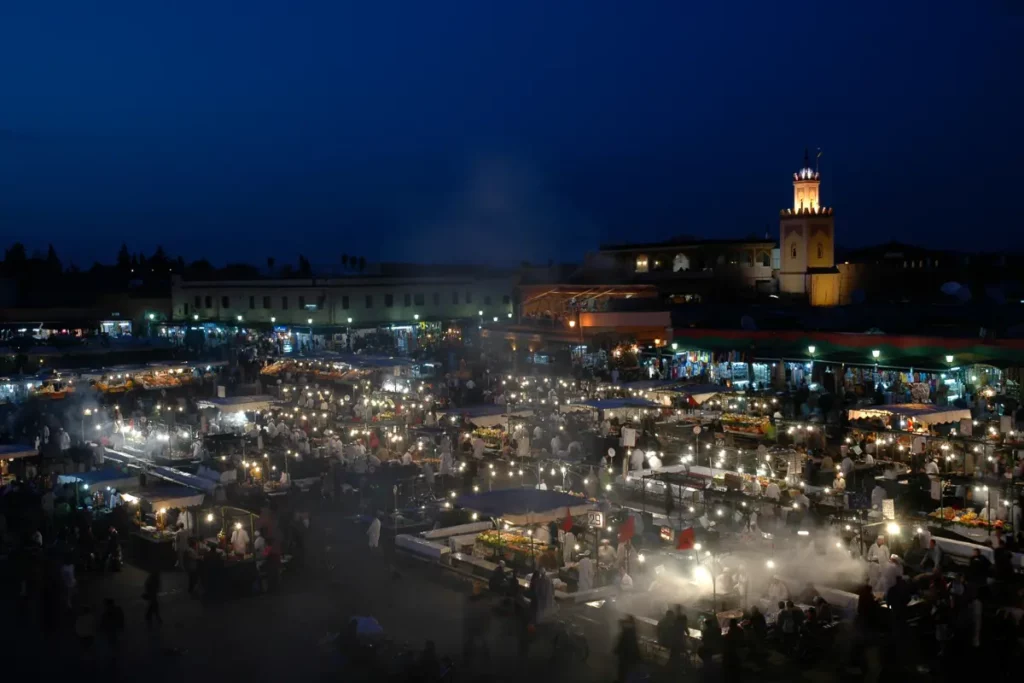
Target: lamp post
x=85 y=413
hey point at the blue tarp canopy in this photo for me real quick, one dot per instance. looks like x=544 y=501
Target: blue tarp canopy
x=525 y=506
x=184 y=478
x=102 y=478
x=614 y=403
x=477 y=411
x=17 y=450
x=360 y=361
x=650 y=384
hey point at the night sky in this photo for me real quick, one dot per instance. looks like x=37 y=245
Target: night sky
x=500 y=131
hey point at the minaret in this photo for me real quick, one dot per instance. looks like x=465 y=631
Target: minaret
x=807 y=241
x=806 y=183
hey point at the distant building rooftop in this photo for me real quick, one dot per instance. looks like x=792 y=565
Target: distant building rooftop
x=681 y=242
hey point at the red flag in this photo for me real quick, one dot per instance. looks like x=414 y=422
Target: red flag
x=685 y=539
x=627 y=529
x=567 y=522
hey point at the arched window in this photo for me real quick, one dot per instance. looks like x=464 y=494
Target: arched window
x=680 y=262
x=766 y=259
x=821 y=250
x=792 y=251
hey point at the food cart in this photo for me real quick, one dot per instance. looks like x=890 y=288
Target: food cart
x=152 y=541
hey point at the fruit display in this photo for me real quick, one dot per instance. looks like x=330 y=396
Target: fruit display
x=326 y=372
x=965 y=517
x=744 y=424
x=506 y=540
x=491 y=437
x=278 y=368
x=114 y=386
x=162 y=380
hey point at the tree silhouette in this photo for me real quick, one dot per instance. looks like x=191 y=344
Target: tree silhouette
x=362 y=263
x=159 y=259
x=344 y=260
x=200 y=270
x=15 y=260
x=53 y=264
x=270 y=264
x=305 y=270
x=124 y=258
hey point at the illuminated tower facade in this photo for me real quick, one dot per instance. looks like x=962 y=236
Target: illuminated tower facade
x=807 y=242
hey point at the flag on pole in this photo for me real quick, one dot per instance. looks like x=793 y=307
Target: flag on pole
x=685 y=540
x=567 y=522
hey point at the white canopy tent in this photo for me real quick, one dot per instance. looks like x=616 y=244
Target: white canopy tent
x=923 y=413
x=167 y=497
x=239 y=404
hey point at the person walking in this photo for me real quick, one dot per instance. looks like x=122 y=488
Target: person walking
x=627 y=649
x=373 y=533
x=151 y=594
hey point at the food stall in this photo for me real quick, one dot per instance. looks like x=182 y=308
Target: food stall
x=230 y=565
x=519 y=535
x=231 y=411
x=154 y=506
x=911 y=417
x=9 y=452
x=97 y=488
x=739 y=424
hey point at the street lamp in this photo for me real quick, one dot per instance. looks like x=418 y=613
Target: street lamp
x=479 y=312
x=572 y=323
x=152 y=316
x=416 y=316
x=309 y=321
x=239 y=318
x=195 y=316
x=350 y=321
x=875 y=353
x=811 y=349
x=949 y=359
x=675 y=346
x=273 y=319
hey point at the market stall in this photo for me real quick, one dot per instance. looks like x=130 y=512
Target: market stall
x=911 y=416
x=9 y=452
x=157 y=508
x=520 y=536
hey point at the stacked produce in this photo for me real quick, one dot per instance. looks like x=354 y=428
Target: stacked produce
x=965 y=517
x=744 y=424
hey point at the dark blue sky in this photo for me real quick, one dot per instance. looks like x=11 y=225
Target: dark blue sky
x=500 y=131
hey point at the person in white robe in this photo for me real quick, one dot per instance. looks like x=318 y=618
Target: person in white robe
x=568 y=546
x=887 y=575
x=877 y=556
x=636 y=459
x=373 y=533
x=239 y=540
x=877 y=496
x=586 y=572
